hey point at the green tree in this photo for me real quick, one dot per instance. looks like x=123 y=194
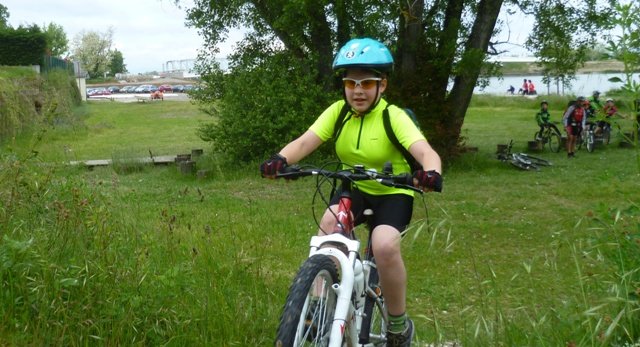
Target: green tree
x=4 y=16
x=117 y=64
x=57 y=41
x=440 y=48
x=93 y=50
x=625 y=47
x=562 y=36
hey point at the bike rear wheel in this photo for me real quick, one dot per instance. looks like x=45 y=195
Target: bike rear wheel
x=308 y=312
x=374 y=327
x=538 y=136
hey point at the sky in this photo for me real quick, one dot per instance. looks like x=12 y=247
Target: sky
x=147 y=32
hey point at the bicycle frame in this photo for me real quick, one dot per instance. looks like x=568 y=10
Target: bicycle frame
x=347 y=311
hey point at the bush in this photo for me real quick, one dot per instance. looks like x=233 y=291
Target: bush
x=252 y=125
x=22 y=46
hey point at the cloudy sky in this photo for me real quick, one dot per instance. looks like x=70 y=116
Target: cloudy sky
x=151 y=32
x=147 y=32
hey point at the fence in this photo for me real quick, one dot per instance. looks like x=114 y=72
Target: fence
x=50 y=63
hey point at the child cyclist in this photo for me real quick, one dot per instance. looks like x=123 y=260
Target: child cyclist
x=543 y=118
x=364 y=65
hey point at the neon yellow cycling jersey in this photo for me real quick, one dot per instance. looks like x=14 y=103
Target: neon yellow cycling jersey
x=363 y=141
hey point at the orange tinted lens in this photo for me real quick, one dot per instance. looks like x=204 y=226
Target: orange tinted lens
x=368 y=84
x=349 y=83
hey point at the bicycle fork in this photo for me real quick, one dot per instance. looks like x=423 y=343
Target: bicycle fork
x=344 y=307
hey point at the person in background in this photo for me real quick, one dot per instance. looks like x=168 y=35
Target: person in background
x=574 y=121
x=595 y=103
x=511 y=90
x=532 y=88
x=525 y=88
x=543 y=118
x=610 y=110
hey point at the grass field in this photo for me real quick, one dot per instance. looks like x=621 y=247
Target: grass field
x=502 y=257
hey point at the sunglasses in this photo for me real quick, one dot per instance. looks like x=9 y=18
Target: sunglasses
x=367 y=83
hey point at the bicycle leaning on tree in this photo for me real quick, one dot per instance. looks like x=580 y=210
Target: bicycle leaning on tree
x=344 y=305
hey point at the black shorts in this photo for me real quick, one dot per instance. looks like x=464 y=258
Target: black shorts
x=394 y=210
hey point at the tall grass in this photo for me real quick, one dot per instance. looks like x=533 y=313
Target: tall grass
x=153 y=257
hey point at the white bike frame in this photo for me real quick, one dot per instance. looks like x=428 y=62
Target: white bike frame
x=347 y=318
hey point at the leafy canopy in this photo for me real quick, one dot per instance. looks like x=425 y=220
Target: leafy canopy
x=441 y=51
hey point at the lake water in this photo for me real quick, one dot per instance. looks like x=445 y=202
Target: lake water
x=584 y=84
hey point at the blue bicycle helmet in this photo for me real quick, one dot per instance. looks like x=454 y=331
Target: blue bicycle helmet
x=364 y=53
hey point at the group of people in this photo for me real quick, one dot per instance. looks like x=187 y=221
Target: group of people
x=528 y=88
x=579 y=114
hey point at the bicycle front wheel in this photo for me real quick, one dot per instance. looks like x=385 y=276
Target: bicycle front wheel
x=591 y=142
x=554 y=142
x=606 y=134
x=374 y=324
x=308 y=312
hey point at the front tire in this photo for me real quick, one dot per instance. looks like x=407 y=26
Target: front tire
x=591 y=142
x=554 y=142
x=606 y=135
x=308 y=312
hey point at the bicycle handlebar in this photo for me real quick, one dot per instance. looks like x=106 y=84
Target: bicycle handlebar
x=357 y=173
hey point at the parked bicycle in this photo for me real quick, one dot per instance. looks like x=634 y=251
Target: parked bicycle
x=550 y=136
x=587 y=138
x=327 y=307
x=522 y=161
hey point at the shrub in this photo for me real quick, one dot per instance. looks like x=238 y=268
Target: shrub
x=253 y=125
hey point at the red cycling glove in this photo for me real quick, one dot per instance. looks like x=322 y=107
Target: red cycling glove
x=273 y=165
x=427 y=180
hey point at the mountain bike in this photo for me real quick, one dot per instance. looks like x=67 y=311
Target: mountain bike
x=327 y=307
x=587 y=138
x=522 y=161
x=549 y=136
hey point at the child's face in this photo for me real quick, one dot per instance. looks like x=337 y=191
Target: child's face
x=363 y=95
x=544 y=107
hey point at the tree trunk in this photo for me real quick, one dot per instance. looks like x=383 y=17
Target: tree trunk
x=449 y=124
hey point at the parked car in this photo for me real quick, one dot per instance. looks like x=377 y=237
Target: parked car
x=127 y=89
x=99 y=91
x=188 y=87
x=144 y=88
x=113 y=89
x=152 y=88
x=178 y=88
x=165 y=88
